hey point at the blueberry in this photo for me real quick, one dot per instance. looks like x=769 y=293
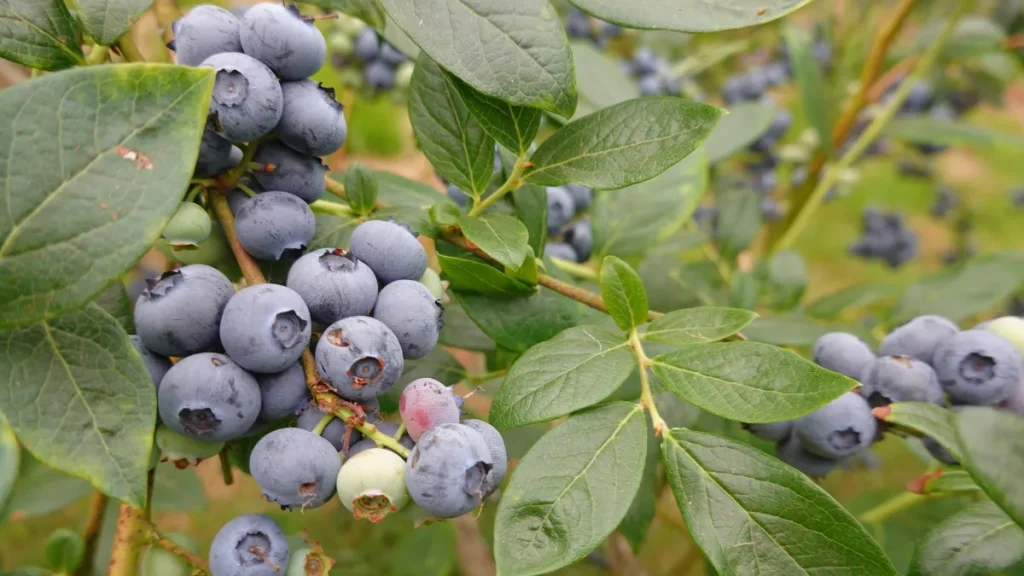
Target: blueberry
x=237 y=197
x=978 y=367
x=250 y=545
x=389 y=249
x=272 y=223
x=283 y=393
x=918 y=338
x=843 y=353
x=247 y=99
x=919 y=99
x=413 y=315
x=900 y=379
x=772 y=431
x=334 y=284
x=561 y=209
x=650 y=85
x=644 y=62
x=371 y=484
x=156 y=364
x=841 y=428
x=791 y=452
x=313 y=121
x=447 y=470
x=577 y=25
x=379 y=76
x=294 y=468
x=945 y=201
x=391 y=56
x=776 y=74
x=770 y=209
x=359 y=356
x=293 y=172
x=580 y=236
x=183 y=451
x=215 y=154
x=733 y=89
x=562 y=251
x=278 y=36
x=205 y=31
x=499 y=455
x=1009 y=327
x=424 y=404
x=265 y=328
x=209 y=397
x=582 y=197
x=179 y=313
x=367 y=46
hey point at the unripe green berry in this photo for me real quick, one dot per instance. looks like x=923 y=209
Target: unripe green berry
x=350 y=25
x=371 y=484
x=64 y=550
x=308 y=561
x=340 y=43
x=1011 y=328
x=160 y=562
x=433 y=282
x=403 y=75
x=182 y=450
x=214 y=251
x=189 y=226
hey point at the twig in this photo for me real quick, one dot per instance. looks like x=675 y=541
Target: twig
x=147 y=510
x=91 y=532
x=512 y=183
x=225 y=467
x=621 y=558
x=581 y=295
x=334 y=187
x=124 y=557
x=155 y=538
x=250 y=269
x=578 y=270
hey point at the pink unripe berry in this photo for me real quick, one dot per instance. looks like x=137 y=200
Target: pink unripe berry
x=426 y=403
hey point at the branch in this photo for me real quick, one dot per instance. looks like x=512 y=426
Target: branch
x=512 y=183
x=620 y=556
x=124 y=557
x=250 y=269
x=91 y=532
x=580 y=295
x=473 y=554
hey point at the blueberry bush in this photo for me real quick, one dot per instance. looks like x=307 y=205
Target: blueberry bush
x=614 y=242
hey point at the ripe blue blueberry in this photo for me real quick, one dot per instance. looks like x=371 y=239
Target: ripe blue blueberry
x=772 y=431
x=413 y=315
x=561 y=208
x=841 y=428
x=499 y=455
x=367 y=46
x=791 y=452
x=379 y=76
x=313 y=122
x=389 y=249
x=359 y=356
x=283 y=393
x=447 y=470
x=209 y=397
x=843 y=353
x=582 y=197
x=156 y=365
x=271 y=224
x=216 y=154
x=265 y=328
x=291 y=172
x=179 y=313
x=562 y=251
x=580 y=236
x=918 y=338
x=247 y=99
x=371 y=484
x=205 y=31
x=250 y=545
x=391 y=56
x=644 y=62
x=279 y=37
x=426 y=403
x=334 y=284
x=900 y=379
x=650 y=85
x=294 y=468
x=978 y=367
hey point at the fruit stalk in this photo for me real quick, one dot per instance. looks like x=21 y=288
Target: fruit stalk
x=154 y=538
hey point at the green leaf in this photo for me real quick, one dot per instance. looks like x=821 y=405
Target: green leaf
x=853 y=297
x=361 y=188
x=520 y=323
x=114 y=301
x=87 y=201
x=793 y=330
x=40 y=490
x=697 y=325
x=398 y=191
x=39 y=34
x=928 y=130
x=518 y=54
x=739 y=220
x=78 y=396
x=528 y=272
x=751 y=514
x=748 y=381
x=602 y=82
x=501 y=237
x=107 y=20
x=532 y=210
x=460 y=331
x=426 y=551
x=177 y=490
x=745 y=288
x=574 y=370
x=369 y=11
x=514 y=127
x=807 y=72
x=979 y=539
x=925 y=419
x=470 y=275
x=10 y=456
x=787 y=279
x=623 y=293
x=332 y=230
x=584 y=473
x=738 y=129
x=689 y=15
x=623 y=144
x=949 y=481
x=626 y=227
x=992 y=445
x=450 y=137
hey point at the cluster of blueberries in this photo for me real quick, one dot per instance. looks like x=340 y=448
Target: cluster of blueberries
x=581 y=26
x=885 y=236
x=572 y=237
x=384 y=66
x=928 y=359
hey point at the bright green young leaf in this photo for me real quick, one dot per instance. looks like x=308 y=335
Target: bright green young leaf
x=515 y=52
x=520 y=323
x=689 y=15
x=807 y=71
x=514 y=127
x=79 y=397
x=426 y=551
x=927 y=130
x=87 y=201
x=40 y=490
x=751 y=514
x=361 y=188
x=583 y=474
x=114 y=301
x=10 y=456
x=470 y=275
x=739 y=219
x=460 y=331
x=368 y=11
x=741 y=127
x=980 y=539
x=39 y=34
x=107 y=20
x=623 y=144
x=602 y=82
x=851 y=298
x=532 y=210
x=623 y=292
x=528 y=272
x=501 y=237
x=748 y=381
x=950 y=481
x=926 y=419
x=992 y=445
x=698 y=325
x=576 y=369
x=450 y=137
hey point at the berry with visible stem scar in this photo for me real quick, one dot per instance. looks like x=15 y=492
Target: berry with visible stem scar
x=209 y=397
x=179 y=313
x=265 y=328
x=250 y=545
x=841 y=428
x=360 y=357
x=447 y=470
x=294 y=468
x=371 y=484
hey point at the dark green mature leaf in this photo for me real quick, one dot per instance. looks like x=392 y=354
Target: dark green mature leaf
x=992 y=448
x=79 y=397
x=450 y=137
x=532 y=210
x=514 y=127
x=698 y=325
x=369 y=11
x=460 y=331
x=752 y=514
x=602 y=82
x=748 y=381
x=950 y=481
x=576 y=369
x=426 y=551
x=981 y=539
x=739 y=219
x=395 y=190
x=623 y=144
x=501 y=237
x=928 y=130
x=10 y=456
x=469 y=275
x=515 y=52
x=626 y=227
x=361 y=188
x=807 y=72
x=623 y=293
x=741 y=127
x=851 y=298
x=520 y=323
x=114 y=301
x=689 y=15
x=87 y=201
x=39 y=34
x=637 y=523
x=584 y=473
x=40 y=490
x=332 y=230
x=925 y=419
x=107 y=20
